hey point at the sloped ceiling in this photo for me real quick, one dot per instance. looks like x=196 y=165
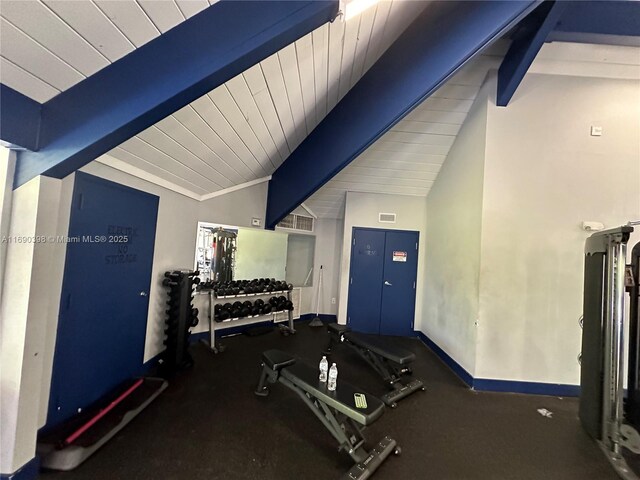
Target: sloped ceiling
x=241 y=132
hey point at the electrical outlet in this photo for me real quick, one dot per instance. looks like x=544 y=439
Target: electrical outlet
x=333 y=300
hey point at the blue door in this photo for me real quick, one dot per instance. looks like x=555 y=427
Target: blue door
x=103 y=309
x=365 y=289
x=382 y=276
x=399 y=283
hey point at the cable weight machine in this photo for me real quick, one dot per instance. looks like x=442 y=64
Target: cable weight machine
x=602 y=410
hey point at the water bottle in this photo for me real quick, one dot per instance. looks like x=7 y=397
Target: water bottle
x=333 y=377
x=324 y=366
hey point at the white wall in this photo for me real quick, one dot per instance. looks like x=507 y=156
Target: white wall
x=544 y=175
x=28 y=306
x=454 y=209
x=329 y=237
x=7 y=168
x=361 y=210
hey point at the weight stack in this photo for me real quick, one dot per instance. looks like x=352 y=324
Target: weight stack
x=181 y=316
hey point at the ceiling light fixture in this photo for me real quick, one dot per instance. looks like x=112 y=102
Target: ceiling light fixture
x=353 y=8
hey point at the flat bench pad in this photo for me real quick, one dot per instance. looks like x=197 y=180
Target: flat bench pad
x=342 y=398
x=277 y=359
x=381 y=346
x=337 y=328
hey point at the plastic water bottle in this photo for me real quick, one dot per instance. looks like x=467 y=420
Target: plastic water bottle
x=333 y=377
x=324 y=367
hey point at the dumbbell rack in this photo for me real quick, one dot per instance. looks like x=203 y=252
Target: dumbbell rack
x=214 y=326
x=180 y=319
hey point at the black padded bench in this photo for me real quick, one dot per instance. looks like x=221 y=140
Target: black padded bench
x=389 y=361
x=337 y=410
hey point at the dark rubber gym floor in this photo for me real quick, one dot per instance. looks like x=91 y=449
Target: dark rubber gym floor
x=209 y=425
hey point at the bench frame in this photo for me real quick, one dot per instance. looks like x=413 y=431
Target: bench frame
x=347 y=432
x=391 y=372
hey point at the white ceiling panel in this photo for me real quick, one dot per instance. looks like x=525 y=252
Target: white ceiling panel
x=129 y=17
x=37 y=21
x=92 y=25
x=164 y=14
x=47 y=46
x=190 y=7
x=245 y=129
x=25 y=52
x=31 y=86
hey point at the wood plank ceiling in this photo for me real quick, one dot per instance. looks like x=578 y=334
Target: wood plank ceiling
x=243 y=130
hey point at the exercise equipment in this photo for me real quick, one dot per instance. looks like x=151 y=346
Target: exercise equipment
x=181 y=316
x=244 y=302
x=601 y=409
x=389 y=361
x=245 y=287
x=345 y=412
x=73 y=442
x=633 y=380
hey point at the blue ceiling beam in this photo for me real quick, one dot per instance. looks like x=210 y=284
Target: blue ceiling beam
x=613 y=22
x=442 y=39
x=162 y=76
x=19 y=119
x=526 y=44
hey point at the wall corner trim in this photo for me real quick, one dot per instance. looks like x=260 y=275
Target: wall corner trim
x=502 y=386
x=235 y=188
x=125 y=167
x=29 y=471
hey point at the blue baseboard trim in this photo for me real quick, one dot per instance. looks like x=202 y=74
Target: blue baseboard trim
x=444 y=356
x=534 y=388
x=326 y=318
x=28 y=471
x=504 y=386
x=227 y=332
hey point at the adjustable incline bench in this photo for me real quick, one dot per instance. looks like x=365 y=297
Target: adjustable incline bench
x=389 y=361
x=344 y=412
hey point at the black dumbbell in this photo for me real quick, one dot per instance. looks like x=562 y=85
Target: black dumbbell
x=266 y=309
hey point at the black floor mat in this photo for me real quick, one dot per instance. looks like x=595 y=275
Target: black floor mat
x=209 y=425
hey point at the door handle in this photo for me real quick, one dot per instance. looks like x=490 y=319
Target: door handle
x=387 y=283
x=143 y=294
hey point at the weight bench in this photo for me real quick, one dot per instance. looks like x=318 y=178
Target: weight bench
x=390 y=362
x=344 y=412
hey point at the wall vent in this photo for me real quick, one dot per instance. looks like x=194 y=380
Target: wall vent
x=387 y=217
x=293 y=221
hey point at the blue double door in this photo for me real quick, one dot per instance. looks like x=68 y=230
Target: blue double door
x=382 y=281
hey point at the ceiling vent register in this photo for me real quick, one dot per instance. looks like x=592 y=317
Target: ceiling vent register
x=387 y=217
x=294 y=221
